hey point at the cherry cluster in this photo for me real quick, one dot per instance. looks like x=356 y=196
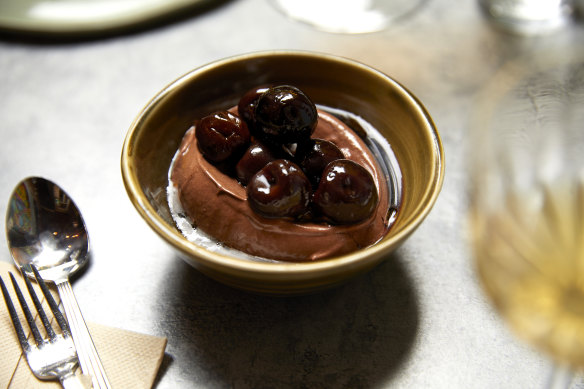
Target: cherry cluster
x=287 y=173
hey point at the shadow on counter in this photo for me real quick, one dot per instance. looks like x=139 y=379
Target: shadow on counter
x=355 y=335
x=36 y=34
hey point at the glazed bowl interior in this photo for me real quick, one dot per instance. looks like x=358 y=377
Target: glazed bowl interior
x=331 y=81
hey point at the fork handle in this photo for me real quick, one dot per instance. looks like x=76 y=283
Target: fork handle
x=73 y=381
x=88 y=357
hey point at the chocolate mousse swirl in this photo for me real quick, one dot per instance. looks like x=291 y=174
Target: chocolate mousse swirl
x=217 y=205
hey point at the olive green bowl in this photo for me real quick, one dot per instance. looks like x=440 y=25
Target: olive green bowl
x=155 y=134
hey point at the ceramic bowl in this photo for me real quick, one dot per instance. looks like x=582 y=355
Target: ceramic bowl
x=336 y=82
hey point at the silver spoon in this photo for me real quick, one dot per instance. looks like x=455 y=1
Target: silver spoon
x=44 y=228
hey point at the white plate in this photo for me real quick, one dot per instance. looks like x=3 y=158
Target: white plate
x=75 y=17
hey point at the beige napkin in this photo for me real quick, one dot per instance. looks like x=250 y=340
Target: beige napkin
x=130 y=359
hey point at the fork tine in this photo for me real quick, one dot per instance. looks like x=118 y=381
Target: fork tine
x=14 y=317
x=50 y=332
x=27 y=314
x=52 y=303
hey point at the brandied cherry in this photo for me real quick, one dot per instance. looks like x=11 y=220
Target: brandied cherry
x=221 y=136
x=346 y=193
x=315 y=155
x=247 y=103
x=284 y=114
x=279 y=189
x=256 y=157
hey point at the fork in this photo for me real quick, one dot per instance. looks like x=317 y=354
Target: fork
x=52 y=358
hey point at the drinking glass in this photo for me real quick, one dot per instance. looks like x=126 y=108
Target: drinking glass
x=530 y=17
x=527 y=203
x=348 y=16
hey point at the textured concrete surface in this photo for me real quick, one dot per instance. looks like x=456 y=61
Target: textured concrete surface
x=420 y=320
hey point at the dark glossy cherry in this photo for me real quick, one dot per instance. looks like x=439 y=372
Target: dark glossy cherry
x=221 y=136
x=247 y=103
x=255 y=158
x=315 y=155
x=346 y=193
x=284 y=114
x=280 y=189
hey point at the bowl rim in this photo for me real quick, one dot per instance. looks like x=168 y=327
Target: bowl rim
x=291 y=269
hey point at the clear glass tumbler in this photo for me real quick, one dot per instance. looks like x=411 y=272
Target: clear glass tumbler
x=348 y=16
x=527 y=203
x=528 y=16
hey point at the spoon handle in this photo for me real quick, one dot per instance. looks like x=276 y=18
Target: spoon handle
x=88 y=357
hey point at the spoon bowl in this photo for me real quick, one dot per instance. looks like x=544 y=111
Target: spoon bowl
x=45 y=228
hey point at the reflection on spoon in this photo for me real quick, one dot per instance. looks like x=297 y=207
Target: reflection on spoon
x=44 y=228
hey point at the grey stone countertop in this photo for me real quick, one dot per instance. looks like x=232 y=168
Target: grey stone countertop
x=419 y=320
